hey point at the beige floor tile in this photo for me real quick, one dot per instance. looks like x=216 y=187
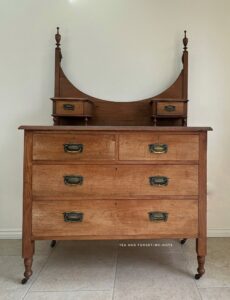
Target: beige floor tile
x=14 y=247
x=217 y=263
x=80 y=295
x=79 y=265
x=148 y=274
x=11 y=273
x=72 y=246
x=215 y=293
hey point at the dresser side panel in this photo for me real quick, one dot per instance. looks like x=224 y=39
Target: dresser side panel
x=27 y=243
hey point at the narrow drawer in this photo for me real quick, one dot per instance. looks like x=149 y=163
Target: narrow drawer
x=75 y=108
x=98 y=218
x=148 y=146
x=170 y=108
x=113 y=181
x=73 y=147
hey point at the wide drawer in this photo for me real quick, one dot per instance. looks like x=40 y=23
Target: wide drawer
x=73 y=147
x=103 y=181
x=148 y=146
x=98 y=218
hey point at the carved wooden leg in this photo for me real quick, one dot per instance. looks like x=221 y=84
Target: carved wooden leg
x=28 y=251
x=28 y=269
x=201 y=252
x=53 y=243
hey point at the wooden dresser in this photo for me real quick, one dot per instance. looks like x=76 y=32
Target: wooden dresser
x=115 y=170
x=114 y=183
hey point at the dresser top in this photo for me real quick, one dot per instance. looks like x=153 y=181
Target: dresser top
x=114 y=128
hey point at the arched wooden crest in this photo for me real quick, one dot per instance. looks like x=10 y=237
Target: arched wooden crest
x=74 y=107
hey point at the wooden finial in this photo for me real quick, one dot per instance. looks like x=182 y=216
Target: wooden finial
x=57 y=38
x=185 y=41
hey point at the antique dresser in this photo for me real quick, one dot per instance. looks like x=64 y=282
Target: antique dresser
x=115 y=170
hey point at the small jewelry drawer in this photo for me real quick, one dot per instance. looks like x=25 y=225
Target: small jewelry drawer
x=170 y=108
x=72 y=107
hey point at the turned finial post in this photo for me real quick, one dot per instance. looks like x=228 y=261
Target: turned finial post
x=185 y=41
x=57 y=38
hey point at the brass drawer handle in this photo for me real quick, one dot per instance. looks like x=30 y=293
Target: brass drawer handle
x=73 y=148
x=170 y=108
x=73 y=180
x=157 y=216
x=73 y=216
x=158 y=180
x=158 y=148
x=68 y=106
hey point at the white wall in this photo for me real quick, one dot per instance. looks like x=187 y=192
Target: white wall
x=114 y=49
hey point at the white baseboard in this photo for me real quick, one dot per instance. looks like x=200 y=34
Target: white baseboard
x=16 y=233
x=220 y=232
x=10 y=234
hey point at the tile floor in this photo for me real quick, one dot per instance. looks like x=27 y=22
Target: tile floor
x=106 y=270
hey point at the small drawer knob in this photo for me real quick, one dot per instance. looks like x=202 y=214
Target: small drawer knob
x=68 y=106
x=170 y=108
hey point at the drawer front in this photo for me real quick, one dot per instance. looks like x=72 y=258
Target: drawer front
x=110 y=181
x=73 y=147
x=115 y=218
x=148 y=146
x=75 y=108
x=170 y=108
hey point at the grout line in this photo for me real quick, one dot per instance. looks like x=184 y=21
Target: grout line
x=214 y=287
x=115 y=275
x=42 y=268
x=69 y=291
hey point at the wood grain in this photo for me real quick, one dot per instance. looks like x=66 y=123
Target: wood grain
x=95 y=147
x=180 y=147
x=116 y=217
x=113 y=181
x=27 y=243
x=179 y=109
x=173 y=129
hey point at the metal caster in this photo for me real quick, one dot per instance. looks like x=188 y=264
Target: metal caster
x=183 y=241
x=198 y=276
x=53 y=243
x=24 y=280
